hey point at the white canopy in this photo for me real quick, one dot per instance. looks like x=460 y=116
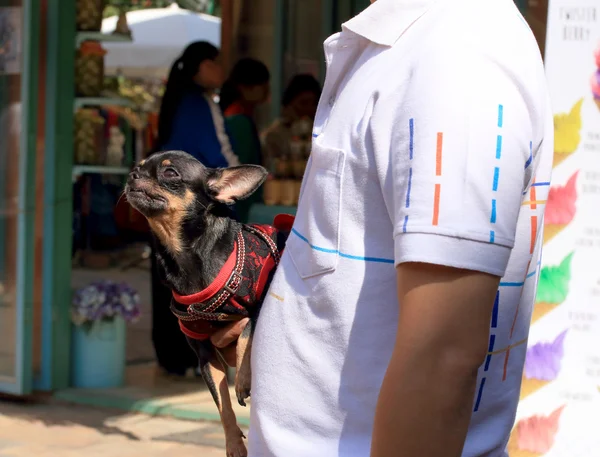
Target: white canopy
x=159 y=36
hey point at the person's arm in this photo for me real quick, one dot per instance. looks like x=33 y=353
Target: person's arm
x=452 y=154
x=427 y=394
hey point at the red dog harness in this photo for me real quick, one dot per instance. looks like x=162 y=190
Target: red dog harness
x=240 y=283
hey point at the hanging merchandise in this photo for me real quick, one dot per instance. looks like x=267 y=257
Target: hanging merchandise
x=89 y=15
x=89 y=69
x=89 y=137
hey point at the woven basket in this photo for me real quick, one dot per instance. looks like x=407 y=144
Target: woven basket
x=89 y=15
x=89 y=75
x=88 y=138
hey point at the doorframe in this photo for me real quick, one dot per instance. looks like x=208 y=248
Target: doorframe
x=22 y=384
x=58 y=196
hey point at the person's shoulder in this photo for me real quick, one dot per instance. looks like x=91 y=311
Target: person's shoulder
x=474 y=29
x=193 y=105
x=466 y=42
x=194 y=98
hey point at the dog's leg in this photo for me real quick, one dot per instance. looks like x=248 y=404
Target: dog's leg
x=214 y=374
x=243 y=372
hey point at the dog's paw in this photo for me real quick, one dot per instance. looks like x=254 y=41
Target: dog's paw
x=242 y=386
x=236 y=448
x=242 y=394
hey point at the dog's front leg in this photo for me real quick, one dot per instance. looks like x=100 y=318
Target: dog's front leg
x=214 y=374
x=243 y=373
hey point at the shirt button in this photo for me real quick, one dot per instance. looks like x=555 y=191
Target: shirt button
x=331 y=100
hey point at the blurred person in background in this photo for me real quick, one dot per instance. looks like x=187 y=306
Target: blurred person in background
x=246 y=88
x=299 y=103
x=189 y=119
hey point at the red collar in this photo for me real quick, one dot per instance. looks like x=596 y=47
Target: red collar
x=224 y=280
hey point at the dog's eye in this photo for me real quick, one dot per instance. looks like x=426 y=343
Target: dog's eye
x=170 y=173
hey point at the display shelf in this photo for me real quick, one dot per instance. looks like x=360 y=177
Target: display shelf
x=99 y=169
x=80 y=102
x=99 y=36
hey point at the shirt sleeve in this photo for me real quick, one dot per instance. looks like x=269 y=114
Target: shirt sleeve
x=453 y=146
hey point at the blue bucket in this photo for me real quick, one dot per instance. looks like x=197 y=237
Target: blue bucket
x=98 y=354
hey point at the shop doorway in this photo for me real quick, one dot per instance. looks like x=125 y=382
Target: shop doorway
x=17 y=173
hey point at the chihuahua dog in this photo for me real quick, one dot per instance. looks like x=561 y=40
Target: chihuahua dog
x=217 y=268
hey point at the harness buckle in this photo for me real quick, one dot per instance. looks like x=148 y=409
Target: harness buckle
x=233 y=283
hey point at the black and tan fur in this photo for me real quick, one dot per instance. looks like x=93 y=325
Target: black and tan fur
x=187 y=207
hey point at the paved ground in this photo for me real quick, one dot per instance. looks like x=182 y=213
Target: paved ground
x=56 y=429
x=59 y=428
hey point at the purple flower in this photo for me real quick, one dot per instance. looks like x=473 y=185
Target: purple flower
x=105 y=300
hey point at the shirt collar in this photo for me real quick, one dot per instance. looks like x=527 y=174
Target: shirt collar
x=385 y=21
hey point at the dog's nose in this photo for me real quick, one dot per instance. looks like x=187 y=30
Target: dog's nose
x=134 y=175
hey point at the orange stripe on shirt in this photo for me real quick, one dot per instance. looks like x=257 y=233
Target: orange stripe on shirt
x=438 y=154
x=534 y=228
x=533 y=199
x=436 y=204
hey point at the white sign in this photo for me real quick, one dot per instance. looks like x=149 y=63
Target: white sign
x=559 y=412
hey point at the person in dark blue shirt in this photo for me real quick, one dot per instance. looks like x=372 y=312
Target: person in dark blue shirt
x=189 y=119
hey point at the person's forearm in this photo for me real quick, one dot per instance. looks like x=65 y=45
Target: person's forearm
x=424 y=407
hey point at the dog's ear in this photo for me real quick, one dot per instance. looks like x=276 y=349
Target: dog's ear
x=229 y=185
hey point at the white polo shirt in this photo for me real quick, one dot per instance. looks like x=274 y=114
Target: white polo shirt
x=433 y=142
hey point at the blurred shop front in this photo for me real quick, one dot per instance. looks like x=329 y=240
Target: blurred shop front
x=19 y=114
x=41 y=102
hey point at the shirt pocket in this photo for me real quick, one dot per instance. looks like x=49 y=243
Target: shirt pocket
x=313 y=244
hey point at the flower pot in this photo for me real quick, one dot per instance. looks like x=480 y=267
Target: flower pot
x=98 y=354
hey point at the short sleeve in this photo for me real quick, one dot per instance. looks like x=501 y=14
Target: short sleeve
x=457 y=161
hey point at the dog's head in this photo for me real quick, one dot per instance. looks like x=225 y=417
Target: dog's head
x=172 y=187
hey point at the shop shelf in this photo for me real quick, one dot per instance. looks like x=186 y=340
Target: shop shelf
x=101 y=101
x=80 y=37
x=100 y=169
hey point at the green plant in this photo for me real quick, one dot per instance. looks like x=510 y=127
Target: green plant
x=114 y=7
x=201 y=6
